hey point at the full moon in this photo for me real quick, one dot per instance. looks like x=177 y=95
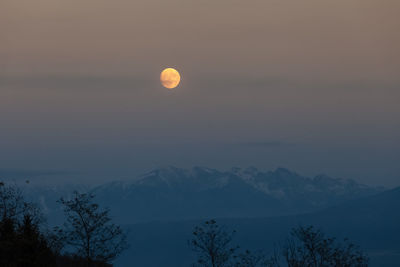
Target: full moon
x=170 y=78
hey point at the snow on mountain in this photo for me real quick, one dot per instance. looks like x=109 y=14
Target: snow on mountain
x=173 y=193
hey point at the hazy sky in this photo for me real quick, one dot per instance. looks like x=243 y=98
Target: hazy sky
x=313 y=86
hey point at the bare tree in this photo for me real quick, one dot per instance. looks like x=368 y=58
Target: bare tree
x=213 y=245
x=12 y=204
x=309 y=247
x=90 y=231
x=306 y=247
x=21 y=241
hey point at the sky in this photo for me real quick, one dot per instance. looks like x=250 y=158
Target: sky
x=309 y=85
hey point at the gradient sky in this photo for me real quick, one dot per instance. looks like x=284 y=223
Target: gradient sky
x=313 y=86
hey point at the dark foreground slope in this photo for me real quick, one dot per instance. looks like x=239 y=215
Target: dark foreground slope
x=372 y=222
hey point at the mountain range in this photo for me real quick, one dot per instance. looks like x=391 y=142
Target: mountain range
x=180 y=194
x=175 y=194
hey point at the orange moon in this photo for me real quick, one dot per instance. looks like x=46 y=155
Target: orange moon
x=170 y=78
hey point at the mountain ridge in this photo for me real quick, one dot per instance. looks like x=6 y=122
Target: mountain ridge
x=178 y=194
x=206 y=192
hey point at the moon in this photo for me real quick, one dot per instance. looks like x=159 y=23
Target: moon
x=170 y=78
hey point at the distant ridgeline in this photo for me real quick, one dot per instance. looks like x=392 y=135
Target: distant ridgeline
x=175 y=194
